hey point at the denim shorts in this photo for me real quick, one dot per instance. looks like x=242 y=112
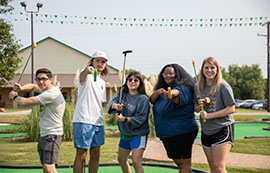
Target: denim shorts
x=135 y=143
x=48 y=147
x=87 y=136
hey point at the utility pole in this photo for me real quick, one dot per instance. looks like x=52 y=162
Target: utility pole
x=268 y=67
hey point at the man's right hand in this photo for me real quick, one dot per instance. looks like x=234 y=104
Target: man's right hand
x=89 y=69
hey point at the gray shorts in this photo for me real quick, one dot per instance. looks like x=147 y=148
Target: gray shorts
x=48 y=147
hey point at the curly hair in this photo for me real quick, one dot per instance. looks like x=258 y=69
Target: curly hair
x=181 y=78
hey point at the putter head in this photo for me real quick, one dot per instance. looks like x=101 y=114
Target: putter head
x=127 y=51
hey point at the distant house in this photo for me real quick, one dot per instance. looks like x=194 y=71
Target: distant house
x=64 y=62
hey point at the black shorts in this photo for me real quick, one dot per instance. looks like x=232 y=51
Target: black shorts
x=48 y=147
x=180 y=146
x=225 y=135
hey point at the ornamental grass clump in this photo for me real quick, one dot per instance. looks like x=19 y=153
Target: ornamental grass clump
x=30 y=124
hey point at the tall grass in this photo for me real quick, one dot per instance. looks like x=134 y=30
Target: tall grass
x=30 y=124
x=67 y=122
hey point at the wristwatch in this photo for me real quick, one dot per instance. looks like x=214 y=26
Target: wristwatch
x=126 y=119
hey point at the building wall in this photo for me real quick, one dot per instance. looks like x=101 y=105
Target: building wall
x=59 y=59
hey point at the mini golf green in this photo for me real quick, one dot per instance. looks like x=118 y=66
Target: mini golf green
x=103 y=168
x=241 y=130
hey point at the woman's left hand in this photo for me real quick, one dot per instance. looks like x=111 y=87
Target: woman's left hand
x=203 y=114
x=120 y=117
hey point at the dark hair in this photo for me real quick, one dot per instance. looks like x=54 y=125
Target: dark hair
x=104 y=72
x=44 y=70
x=141 y=88
x=181 y=78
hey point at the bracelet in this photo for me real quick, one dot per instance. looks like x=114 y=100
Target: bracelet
x=126 y=119
x=14 y=97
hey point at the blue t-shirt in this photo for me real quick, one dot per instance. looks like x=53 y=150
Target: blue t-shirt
x=175 y=119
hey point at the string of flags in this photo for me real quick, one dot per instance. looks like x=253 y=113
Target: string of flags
x=139 y=22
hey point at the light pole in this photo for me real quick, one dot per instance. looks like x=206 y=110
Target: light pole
x=268 y=66
x=39 y=5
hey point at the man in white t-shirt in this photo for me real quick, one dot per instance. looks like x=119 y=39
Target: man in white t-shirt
x=88 y=128
x=52 y=106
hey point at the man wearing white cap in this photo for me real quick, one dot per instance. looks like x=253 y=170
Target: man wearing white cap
x=88 y=127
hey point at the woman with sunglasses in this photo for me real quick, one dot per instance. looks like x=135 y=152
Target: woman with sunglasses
x=216 y=117
x=132 y=118
x=174 y=117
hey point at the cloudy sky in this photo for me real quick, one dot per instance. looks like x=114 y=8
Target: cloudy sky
x=159 y=32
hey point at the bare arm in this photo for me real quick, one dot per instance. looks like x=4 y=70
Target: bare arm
x=23 y=101
x=27 y=101
x=27 y=87
x=175 y=96
x=153 y=98
x=85 y=72
x=222 y=113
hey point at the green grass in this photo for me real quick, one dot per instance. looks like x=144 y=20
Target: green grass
x=252 y=146
x=249 y=111
x=16 y=110
x=19 y=152
x=12 y=117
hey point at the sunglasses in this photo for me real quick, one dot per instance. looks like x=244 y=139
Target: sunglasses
x=168 y=74
x=41 y=79
x=133 y=79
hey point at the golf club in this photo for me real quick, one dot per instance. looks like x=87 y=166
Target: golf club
x=123 y=74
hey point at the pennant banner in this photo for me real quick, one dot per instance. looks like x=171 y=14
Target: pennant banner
x=139 y=22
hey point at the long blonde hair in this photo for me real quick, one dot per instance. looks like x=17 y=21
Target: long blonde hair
x=217 y=80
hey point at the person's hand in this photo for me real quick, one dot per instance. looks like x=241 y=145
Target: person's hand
x=201 y=102
x=120 y=117
x=12 y=94
x=89 y=69
x=118 y=106
x=203 y=114
x=17 y=87
x=161 y=91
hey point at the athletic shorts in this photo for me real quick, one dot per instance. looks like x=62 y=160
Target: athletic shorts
x=48 y=147
x=180 y=146
x=225 y=135
x=87 y=136
x=135 y=143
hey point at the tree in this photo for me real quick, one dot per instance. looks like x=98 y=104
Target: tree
x=9 y=47
x=247 y=81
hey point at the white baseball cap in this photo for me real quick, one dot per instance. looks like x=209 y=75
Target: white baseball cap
x=100 y=54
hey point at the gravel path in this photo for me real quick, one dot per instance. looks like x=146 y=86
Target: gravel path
x=156 y=151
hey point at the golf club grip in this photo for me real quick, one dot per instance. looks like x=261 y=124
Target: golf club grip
x=127 y=51
x=95 y=75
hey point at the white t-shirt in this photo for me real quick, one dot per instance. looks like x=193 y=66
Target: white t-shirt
x=52 y=109
x=91 y=94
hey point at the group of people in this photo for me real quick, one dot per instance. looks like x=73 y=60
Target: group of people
x=175 y=98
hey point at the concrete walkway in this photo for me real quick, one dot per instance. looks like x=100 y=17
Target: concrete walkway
x=156 y=151
x=27 y=112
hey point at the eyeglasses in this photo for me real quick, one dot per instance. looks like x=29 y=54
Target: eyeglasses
x=41 y=79
x=133 y=79
x=168 y=74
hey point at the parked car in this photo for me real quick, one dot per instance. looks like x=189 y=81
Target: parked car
x=248 y=103
x=258 y=106
x=238 y=103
